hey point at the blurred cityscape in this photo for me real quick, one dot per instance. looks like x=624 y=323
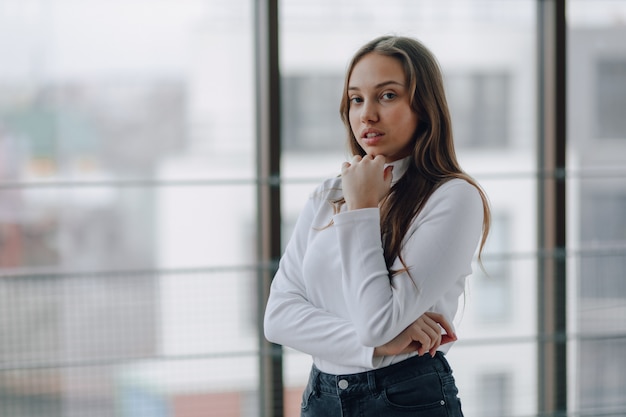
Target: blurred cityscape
x=128 y=210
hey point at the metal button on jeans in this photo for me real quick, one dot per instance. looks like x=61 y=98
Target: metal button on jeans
x=343 y=384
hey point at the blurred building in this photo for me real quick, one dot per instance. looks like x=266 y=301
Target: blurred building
x=128 y=211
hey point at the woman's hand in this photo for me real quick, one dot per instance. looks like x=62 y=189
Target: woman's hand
x=365 y=181
x=423 y=335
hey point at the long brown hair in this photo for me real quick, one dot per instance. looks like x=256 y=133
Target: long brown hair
x=434 y=159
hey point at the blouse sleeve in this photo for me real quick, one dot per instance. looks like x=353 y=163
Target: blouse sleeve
x=438 y=252
x=291 y=320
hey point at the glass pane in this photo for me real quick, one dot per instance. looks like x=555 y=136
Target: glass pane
x=597 y=203
x=497 y=321
x=95 y=89
x=475 y=377
x=487 y=52
x=127 y=208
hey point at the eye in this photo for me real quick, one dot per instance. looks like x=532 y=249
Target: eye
x=389 y=95
x=356 y=100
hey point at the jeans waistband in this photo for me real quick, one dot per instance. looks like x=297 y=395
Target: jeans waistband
x=374 y=380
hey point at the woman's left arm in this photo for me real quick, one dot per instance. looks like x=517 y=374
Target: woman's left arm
x=438 y=251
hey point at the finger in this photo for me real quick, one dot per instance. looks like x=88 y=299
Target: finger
x=438 y=317
x=435 y=346
x=433 y=327
x=434 y=331
x=388 y=174
x=356 y=159
x=430 y=321
x=429 y=325
x=443 y=322
x=448 y=339
x=434 y=336
x=424 y=340
x=379 y=160
x=345 y=166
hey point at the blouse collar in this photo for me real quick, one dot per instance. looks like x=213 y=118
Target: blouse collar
x=399 y=168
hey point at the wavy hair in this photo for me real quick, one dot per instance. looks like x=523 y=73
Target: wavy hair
x=433 y=158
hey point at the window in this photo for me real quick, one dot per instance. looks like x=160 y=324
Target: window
x=310 y=107
x=610 y=98
x=492 y=291
x=494 y=391
x=479 y=106
x=603 y=274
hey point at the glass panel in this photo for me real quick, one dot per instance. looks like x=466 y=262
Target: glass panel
x=487 y=342
x=67 y=341
x=161 y=388
x=487 y=52
x=597 y=203
x=127 y=208
x=494 y=389
x=82 y=101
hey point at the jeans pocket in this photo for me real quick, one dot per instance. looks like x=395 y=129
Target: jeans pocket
x=422 y=393
x=306 y=396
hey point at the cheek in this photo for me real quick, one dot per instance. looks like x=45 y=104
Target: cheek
x=353 y=118
x=411 y=122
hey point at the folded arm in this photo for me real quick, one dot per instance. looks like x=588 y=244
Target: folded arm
x=438 y=251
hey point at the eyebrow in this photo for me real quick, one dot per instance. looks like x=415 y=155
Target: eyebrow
x=383 y=84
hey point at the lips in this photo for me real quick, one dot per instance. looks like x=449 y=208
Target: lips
x=371 y=136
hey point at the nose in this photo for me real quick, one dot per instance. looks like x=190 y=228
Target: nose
x=369 y=112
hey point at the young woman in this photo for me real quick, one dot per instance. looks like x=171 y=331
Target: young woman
x=379 y=255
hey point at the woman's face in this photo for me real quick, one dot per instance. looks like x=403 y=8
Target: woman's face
x=380 y=113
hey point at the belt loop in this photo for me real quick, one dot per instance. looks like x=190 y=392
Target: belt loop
x=371 y=382
x=442 y=358
x=315 y=381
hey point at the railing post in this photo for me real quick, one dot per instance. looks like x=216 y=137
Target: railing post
x=268 y=195
x=551 y=156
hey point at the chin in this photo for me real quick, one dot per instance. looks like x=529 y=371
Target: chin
x=374 y=153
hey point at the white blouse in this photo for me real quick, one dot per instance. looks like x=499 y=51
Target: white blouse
x=332 y=297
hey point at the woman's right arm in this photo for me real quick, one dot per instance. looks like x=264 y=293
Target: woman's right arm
x=291 y=320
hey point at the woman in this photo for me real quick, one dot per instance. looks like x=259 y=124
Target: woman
x=379 y=256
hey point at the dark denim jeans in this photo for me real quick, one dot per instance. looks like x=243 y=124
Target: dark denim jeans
x=421 y=386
